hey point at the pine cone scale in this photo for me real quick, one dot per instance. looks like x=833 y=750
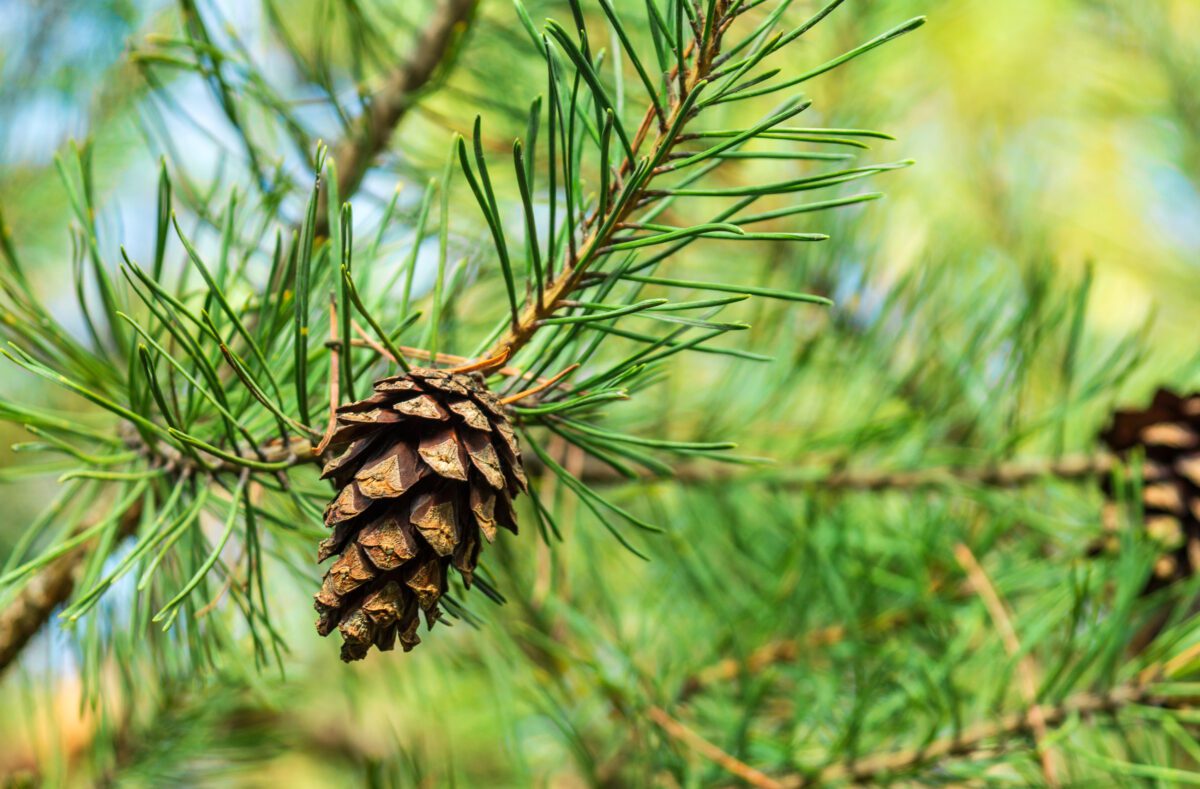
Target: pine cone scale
x=389 y=542
x=443 y=452
x=1189 y=468
x=350 y=503
x=422 y=407
x=1168 y=435
x=389 y=476
x=472 y=416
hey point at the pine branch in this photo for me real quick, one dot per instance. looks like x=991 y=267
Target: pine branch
x=606 y=219
x=1013 y=474
x=678 y=731
x=357 y=151
x=21 y=619
x=976 y=738
x=53 y=585
x=968 y=742
x=1034 y=723
x=624 y=189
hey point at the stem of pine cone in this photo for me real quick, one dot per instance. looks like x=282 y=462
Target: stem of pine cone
x=597 y=228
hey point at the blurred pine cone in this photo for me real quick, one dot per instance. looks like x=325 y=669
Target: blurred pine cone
x=1169 y=434
x=424 y=465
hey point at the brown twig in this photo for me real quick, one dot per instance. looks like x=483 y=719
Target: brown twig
x=542 y=385
x=973 y=739
x=51 y=586
x=212 y=604
x=596 y=235
x=365 y=340
x=781 y=651
x=677 y=731
x=1027 y=672
x=372 y=130
x=1012 y=474
x=334 y=383
x=478 y=364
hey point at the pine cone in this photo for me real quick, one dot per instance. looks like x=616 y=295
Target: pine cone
x=424 y=465
x=1169 y=434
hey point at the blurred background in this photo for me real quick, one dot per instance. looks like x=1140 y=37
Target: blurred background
x=1039 y=265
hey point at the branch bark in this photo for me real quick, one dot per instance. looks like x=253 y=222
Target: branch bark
x=1013 y=474
x=372 y=130
x=597 y=228
x=677 y=731
x=973 y=739
x=51 y=587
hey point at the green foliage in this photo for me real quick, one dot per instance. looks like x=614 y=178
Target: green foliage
x=618 y=196
x=221 y=365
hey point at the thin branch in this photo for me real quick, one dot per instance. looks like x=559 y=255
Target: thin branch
x=1013 y=474
x=1027 y=672
x=460 y=363
x=677 y=731
x=366 y=341
x=357 y=151
x=540 y=387
x=212 y=604
x=50 y=587
x=974 y=738
x=599 y=227
x=782 y=651
x=334 y=376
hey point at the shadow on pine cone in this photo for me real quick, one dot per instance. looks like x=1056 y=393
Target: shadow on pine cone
x=424 y=466
x=1168 y=432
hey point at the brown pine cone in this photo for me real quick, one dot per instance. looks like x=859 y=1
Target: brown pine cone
x=424 y=466
x=1169 y=434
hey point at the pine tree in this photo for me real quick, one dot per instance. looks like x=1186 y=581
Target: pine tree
x=602 y=283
